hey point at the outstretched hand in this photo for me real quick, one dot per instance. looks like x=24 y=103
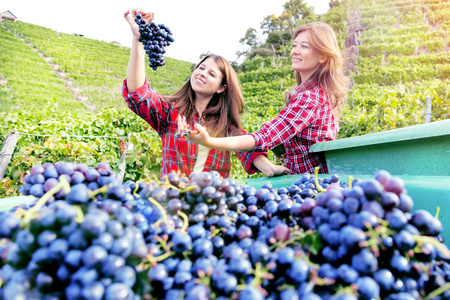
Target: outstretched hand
x=268 y=168
x=278 y=170
x=130 y=15
x=197 y=135
x=202 y=137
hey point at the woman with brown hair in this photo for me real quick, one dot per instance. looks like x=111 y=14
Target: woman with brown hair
x=312 y=108
x=211 y=96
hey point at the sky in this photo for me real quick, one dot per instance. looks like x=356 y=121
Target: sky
x=198 y=26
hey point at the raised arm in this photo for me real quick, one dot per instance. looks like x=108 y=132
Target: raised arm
x=136 y=63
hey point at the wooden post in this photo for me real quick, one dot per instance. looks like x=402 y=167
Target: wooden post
x=428 y=110
x=274 y=52
x=123 y=165
x=7 y=151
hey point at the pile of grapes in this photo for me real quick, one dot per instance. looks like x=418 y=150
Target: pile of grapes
x=206 y=237
x=155 y=39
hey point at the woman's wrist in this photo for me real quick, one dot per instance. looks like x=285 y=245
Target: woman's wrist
x=264 y=165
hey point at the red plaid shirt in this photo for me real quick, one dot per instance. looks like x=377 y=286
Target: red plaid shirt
x=178 y=154
x=305 y=121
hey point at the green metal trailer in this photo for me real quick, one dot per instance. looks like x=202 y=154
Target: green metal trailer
x=420 y=155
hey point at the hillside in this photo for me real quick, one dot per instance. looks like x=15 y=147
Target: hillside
x=62 y=92
x=402 y=66
x=38 y=63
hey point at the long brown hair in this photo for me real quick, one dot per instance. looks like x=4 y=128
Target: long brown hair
x=222 y=116
x=330 y=74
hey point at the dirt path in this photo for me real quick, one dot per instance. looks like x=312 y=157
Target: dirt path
x=62 y=75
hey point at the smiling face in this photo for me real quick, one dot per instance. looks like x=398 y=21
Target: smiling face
x=206 y=80
x=305 y=59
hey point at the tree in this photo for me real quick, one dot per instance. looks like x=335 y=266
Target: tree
x=294 y=11
x=250 y=39
x=335 y=3
x=271 y=23
x=279 y=37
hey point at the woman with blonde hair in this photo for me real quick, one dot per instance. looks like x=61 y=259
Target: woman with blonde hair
x=312 y=108
x=211 y=96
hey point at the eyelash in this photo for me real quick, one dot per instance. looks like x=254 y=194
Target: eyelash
x=202 y=68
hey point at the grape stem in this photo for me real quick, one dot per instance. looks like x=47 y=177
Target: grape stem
x=445 y=252
x=136 y=188
x=101 y=190
x=438 y=291
x=259 y=273
x=438 y=210
x=80 y=214
x=189 y=188
x=350 y=180
x=161 y=209
x=185 y=220
x=154 y=260
x=63 y=184
x=162 y=242
x=319 y=188
x=168 y=184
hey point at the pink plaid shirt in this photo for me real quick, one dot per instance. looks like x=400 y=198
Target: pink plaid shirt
x=178 y=154
x=305 y=121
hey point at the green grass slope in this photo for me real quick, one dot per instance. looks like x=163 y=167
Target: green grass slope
x=27 y=79
x=93 y=69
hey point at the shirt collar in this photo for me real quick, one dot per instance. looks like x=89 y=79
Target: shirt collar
x=307 y=85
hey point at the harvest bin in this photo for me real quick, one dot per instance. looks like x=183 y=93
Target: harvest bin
x=420 y=155
x=422 y=150
x=428 y=192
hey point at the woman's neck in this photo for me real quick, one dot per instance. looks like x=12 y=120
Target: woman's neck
x=201 y=104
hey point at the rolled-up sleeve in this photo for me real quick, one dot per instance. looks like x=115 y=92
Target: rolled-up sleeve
x=298 y=115
x=147 y=103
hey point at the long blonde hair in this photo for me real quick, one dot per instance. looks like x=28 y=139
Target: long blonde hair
x=222 y=116
x=330 y=74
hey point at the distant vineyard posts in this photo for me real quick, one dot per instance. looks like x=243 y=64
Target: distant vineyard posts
x=7 y=151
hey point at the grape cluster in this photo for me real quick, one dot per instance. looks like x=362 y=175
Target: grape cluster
x=203 y=237
x=81 y=177
x=155 y=39
x=61 y=255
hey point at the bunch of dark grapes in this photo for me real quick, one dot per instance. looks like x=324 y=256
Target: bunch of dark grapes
x=43 y=178
x=203 y=236
x=372 y=238
x=89 y=251
x=155 y=39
